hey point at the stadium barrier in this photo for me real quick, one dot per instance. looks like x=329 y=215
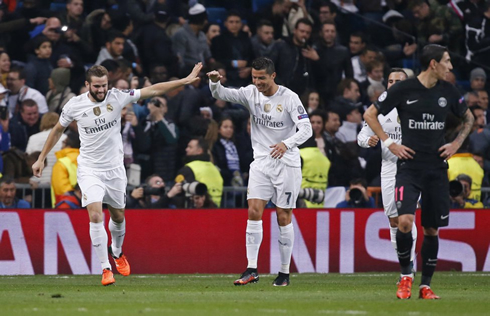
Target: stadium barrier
x=213 y=241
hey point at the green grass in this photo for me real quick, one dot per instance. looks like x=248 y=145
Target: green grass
x=309 y=294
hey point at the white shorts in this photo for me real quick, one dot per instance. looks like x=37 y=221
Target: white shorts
x=388 y=194
x=270 y=179
x=106 y=186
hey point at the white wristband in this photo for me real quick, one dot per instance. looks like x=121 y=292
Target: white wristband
x=387 y=142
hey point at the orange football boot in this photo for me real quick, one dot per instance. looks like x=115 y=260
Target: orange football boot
x=404 y=288
x=122 y=264
x=107 y=277
x=426 y=293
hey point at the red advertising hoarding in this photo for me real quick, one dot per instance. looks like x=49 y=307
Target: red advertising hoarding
x=213 y=241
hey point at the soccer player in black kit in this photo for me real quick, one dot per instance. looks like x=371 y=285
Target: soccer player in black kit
x=423 y=104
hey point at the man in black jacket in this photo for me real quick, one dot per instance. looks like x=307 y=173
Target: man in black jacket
x=152 y=194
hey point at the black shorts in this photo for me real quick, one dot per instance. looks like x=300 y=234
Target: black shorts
x=433 y=184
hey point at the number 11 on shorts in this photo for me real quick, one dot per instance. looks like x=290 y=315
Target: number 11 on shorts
x=399 y=193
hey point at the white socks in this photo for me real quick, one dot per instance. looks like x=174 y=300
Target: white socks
x=286 y=240
x=254 y=235
x=414 y=237
x=118 y=230
x=98 y=235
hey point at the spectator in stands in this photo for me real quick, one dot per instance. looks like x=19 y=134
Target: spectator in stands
x=297 y=11
x=331 y=62
x=464 y=199
x=293 y=68
x=468 y=10
x=348 y=96
x=158 y=73
x=226 y=156
x=39 y=68
x=130 y=53
x=70 y=200
x=483 y=103
x=233 y=49
x=478 y=37
x=59 y=91
x=113 y=49
x=25 y=124
x=357 y=196
x=4 y=127
x=437 y=24
x=19 y=91
x=359 y=62
x=198 y=167
x=203 y=201
x=277 y=14
x=478 y=78
x=357 y=43
x=374 y=72
x=463 y=162
x=190 y=43
x=311 y=100
x=95 y=28
x=211 y=30
x=157 y=140
x=471 y=98
x=351 y=124
x=73 y=17
x=64 y=176
x=263 y=43
x=156 y=46
x=314 y=167
x=18 y=165
x=114 y=71
x=152 y=194
x=7 y=195
x=374 y=91
x=36 y=142
x=317 y=120
x=4 y=67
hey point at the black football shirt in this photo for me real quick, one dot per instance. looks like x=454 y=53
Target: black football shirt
x=422 y=115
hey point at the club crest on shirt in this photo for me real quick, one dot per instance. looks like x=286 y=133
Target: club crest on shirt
x=97 y=111
x=267 y=107
x=442 y=102
x=398 y=120
x=109 y=108
x=382 y=97
x=279 y=108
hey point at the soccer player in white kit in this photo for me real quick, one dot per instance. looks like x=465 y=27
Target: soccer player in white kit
x=275 y=174
x=367 y=138
x=101 y=174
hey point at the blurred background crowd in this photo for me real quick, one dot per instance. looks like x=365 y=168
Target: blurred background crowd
x=334 y=54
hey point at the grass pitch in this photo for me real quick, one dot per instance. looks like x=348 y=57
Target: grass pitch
x=308 y=294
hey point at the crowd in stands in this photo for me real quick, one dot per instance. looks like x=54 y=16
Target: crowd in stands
x=334 y=54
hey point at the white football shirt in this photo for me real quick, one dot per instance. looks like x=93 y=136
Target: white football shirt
x=273 y=119
x=391 y=127
x=99 y=126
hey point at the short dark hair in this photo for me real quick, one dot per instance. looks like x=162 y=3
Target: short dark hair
x=345 y=84
x=327 y=115
x=72 y=139
x=396 y=69
x=360 y=181
x=98 y=71
x=113 y=35
x=369 y=48
x=6 y=180
x=20 y=70
x=39 y=40
x=429 y=52
x=264 y=22
x=329 y=23
x=110 y=65
x=332 y=6
x=202 y=143
x=319 y=113
x=233 y=13
x=27 y=102
x=373 y=64
x=361 y=35
x=303 y=21
x=264 y=63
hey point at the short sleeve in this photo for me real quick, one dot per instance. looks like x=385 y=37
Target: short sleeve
x=66 y=116
x=389 y=99
x=297 y=111
x=458 y=106
x=127 y=96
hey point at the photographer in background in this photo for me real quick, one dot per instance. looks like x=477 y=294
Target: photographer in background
x=152 y=194
x=202 y=201
x=459 y=192
x=356 y=196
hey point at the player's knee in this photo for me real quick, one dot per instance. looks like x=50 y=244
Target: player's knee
x=95 y=217
x=430 y=231
x=254 y=214
x=405 y=225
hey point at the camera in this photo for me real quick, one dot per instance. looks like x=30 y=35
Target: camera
x=61 y=29
x=4 y=112
x=356 y=196
x=312 y=195
x=147 y=190
x=194 y=188
x=455 y=188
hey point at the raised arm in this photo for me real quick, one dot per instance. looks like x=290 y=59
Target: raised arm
x=225 y=94
x=164 y=87
x=53 y=138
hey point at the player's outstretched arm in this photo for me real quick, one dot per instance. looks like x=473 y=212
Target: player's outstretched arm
x=226 y=94
x=371 y=118
x=164 y=87
x=53 y=138
x=450 y=149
